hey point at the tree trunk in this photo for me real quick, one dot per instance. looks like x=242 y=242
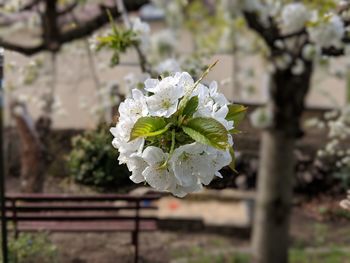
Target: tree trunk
x=271 y=226
x=276 y=172
x=33 y=152
x=51 y=32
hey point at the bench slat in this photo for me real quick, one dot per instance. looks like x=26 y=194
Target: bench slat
x=75 y=217
x=74 y=207
x=126 y=226
x=80 y=213
x=66 y=197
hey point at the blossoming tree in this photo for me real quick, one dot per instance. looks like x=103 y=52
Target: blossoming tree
x=52 y=20
x=296 y=34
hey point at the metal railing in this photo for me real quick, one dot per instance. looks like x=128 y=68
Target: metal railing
x=2 y=171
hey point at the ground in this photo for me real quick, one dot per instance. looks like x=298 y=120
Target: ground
x=320 y=234
x=310 y=237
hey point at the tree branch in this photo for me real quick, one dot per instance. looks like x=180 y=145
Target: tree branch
x=145 y=67
x=25 y=50
x=76 y=33
x=92 y=22
x=90 y=26
x=269 y=34
x=333 y=52
x=294 y=34
x=69 y=8
x=30 y=5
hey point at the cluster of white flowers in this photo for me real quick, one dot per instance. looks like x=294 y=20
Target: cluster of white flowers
x=328 y=32
x=174 y=15
x=164 y=42
x=168 y=66
x=12 y=6
x=172 y=161
x=134 y=81
x=251 y=5
x=346 y=202
x=158 y=47
x=338 y=124
x=294 y=17
x=325 y=29
x=24 y=87
x=142 y=31
x=261 y=118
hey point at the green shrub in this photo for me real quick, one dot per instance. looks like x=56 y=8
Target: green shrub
x=28 y=248
x=93 y=161
x=343 y=175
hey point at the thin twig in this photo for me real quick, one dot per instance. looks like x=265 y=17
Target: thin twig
x=145 y=67
x=50 y=96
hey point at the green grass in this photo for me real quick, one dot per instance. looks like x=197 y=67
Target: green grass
x=235 y=258
x=333 y=255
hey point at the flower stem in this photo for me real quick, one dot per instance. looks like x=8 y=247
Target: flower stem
x=205 y=73
x=185 y=99
x=172 y=148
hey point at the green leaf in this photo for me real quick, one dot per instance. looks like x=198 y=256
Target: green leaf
x=191 y=107
x=232 y=165
x=149 y=126
x=236 y=113
x=207 y=131
x=234 y=131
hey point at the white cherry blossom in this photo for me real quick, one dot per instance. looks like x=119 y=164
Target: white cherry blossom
x=134 y=108
x=176 y=166
x=142 y=31
x=328 y=33
x=168 y=66
x=294 y=17
x=191 y=164
x=157 y=174
x=136 y=164
x=186 y=82
x=181 y=191
x=134 y=81
x=219 y=160
x=166 y=97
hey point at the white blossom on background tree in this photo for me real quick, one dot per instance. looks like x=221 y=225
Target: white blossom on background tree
x=346 y=202
x=46 y=23
x=296 y=34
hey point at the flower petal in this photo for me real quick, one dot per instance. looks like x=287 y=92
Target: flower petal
x=136 y=165
x=159 y=179
x=151 y=84
x=154 y=155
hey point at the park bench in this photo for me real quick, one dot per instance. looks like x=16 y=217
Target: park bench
x=81 y=213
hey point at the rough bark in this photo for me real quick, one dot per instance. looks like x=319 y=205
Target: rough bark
x=271 y=226
x=33 y=152
x=276 y=172
x=51 y=32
